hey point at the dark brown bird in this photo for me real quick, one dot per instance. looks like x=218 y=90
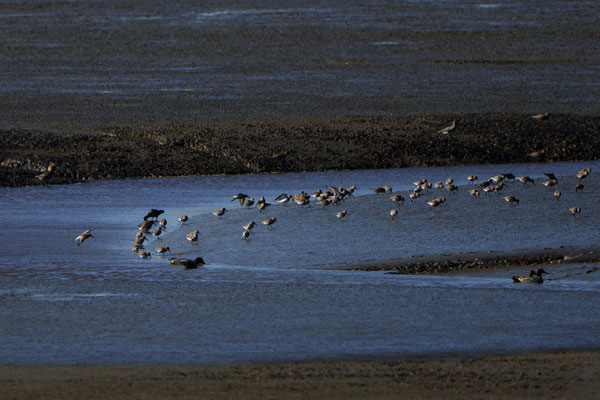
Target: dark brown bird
x=153 y=213
x=579 y=187
x=46 y=175
x=145 y=226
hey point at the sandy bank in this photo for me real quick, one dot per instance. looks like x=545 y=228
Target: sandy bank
x=574 y=375
x=291 y=145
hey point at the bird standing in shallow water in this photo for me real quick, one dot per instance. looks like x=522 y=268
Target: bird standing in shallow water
x=578 y=187
x=157 y=232
x=144 y=254
x=46 y=175
x=219 y=213
x=153 y=213
x=393 y=214
x=163 y=249
x=192 y=236
x=245 y=235
x=341 y=214
x=269 y=222
x=557 y=195
x=183 y=219
x=511 y=199
x=83 y=236
x=249 y=225
x=574 y=211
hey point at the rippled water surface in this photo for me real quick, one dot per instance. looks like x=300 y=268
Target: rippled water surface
x=280 y=295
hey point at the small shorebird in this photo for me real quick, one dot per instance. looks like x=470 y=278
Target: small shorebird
x=382 y=189
x=578 y=187
x=219 y=213
x=183 y=219
x=508 y=177
x=283 y=198
x=393 y=214
x=192 y=236
x=533 y=277
x=144 y=254
x=162 y=250
x=163 y=223
x=449 y=181
x=583 y=173
x=556 y=195
x=268 y=222
x=262 y=205
x=550 y=183
x=451 y=187
x=525 y=179
x=139 y=234
x=83 y=236
x=157 y=232
x=414 y=195
x=498 y=187
x=497 y=179
x=574 y=211
x=474 y=192
x=551 y=177
x=153 y=213
x=438 y=185
x=136 y=247
x=303 y=201
x=145 y=226
x=139 y=241
x=435 y=203
x=472 y=178
x=245 y=235
x=46 y=175
x=397 y=198
x=541 y=117
x=449 y=129
x=341 y=214
x=537 y=153
x=241 y=197
x=187 y=263
x=249 y=225
x=248 y=202
x=511 y=199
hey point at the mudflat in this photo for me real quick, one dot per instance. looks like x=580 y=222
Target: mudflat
x=574 y=375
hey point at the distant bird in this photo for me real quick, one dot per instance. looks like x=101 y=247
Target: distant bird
x=145 y=226
x=550 y=183
x=245 y=235
x=283 y=198
x=583 y=173
x=262 y=205
x=508 y=177
x=382 y=189
x=139 y=234
x=393 y=214
x=163 y=223
x=438 y=185
x=269 y=222
x=472 y=178
x=449 y=129
x=341 y=214
x=241 y=197
x=578 y=187
x=163 y=249
x=139 y=241
x=557 y=195
x=46 y=175
x=398 y=198
x=533 y=277
x=153 y=213
x=219 y=213
x=183 y=219
x=551 y=176
x=414 y=195
x=511 y=199
x=451 y=188
x=449 y=181
x=187 y=263
x=435 y=203
x=83 y=236
x=144 y=254
x=157 y=232
x=574 y=211
x=192 y=236
x=249 y=225
x=136 y=247
x=525 y=179
x=541 y=117
x=474 y=192
x=537 y=153
x=248 y=202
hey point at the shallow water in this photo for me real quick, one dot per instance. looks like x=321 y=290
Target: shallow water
x=279 y=295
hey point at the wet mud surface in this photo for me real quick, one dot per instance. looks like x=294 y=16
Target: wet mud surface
x=293 y=144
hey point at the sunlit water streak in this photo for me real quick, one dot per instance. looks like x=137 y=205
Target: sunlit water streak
x=276 y=296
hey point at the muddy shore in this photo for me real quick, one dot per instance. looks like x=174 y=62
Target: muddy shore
x=293 y=144
x=574 y=375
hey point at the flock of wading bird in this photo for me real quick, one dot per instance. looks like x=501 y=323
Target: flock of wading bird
x=334 y=196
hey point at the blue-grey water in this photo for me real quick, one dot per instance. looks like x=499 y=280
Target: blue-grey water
x=281 y=295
